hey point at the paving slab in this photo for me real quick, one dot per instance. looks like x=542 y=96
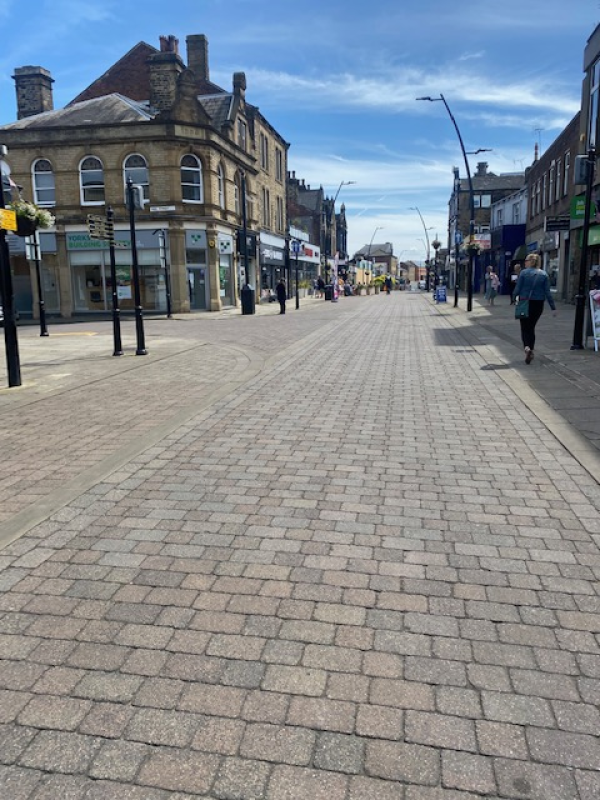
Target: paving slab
x=351 y=552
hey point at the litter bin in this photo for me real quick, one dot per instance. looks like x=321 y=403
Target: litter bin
x=247 y=298
x=329 y=292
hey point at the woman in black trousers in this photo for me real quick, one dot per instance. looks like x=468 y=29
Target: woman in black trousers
x=533 y=284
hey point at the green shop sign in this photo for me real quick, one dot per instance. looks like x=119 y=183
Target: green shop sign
x=82 y=241
x=578 y=207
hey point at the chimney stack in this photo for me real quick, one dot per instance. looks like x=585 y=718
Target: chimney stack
x=536 y=152
x=165 y=67
x=34 y=91
x=197 y=56
x=482 y=167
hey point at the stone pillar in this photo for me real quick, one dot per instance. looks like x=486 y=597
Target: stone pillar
x=180 y=291
x=212 y=257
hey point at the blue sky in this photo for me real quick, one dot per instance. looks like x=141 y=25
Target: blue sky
x=339 y=80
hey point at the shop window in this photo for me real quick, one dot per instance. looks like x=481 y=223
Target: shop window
x=43 y=183
x=91 y=181
x=192 y=190
x=136 y=168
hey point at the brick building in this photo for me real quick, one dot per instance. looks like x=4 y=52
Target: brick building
x=190 y=145
x=488 y=188
x=550 y=191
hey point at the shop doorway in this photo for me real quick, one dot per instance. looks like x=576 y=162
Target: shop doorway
x=197 y=288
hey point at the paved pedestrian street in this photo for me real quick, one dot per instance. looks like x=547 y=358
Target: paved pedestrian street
x=345 y=554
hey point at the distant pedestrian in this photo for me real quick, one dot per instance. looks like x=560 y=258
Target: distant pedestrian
x=533 y=285
x=494 y=286
x=388 y=284
x=320 y=286
x=281 y=295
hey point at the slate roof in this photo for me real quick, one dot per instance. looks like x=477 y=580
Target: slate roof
x=490 y=182
x=218 y=107
x=109 y=110
x=385 y=249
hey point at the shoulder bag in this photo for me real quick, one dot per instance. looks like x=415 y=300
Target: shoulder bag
x=522 y=307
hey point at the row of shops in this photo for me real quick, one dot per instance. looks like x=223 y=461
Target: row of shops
x=206 y=268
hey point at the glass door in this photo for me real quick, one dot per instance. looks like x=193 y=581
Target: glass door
x=197 y=288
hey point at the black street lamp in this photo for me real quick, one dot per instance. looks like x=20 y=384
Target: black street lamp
x=11 y=344
x=247 y=295
x=34 y=250
x=442 y=99
x=162 y=252
x=590 y=163
x=135 y=274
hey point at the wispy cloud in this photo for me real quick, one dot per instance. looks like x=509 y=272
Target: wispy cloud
x=395 y=91
x=471 y=56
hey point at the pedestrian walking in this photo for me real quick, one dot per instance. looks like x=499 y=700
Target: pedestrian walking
x=281 y=295
x=388 y=284
x=494 y=286
x=532 y=289
x=320 y=286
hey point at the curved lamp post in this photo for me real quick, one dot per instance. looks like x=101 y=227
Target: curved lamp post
x=428 y=248
x=380 y=228
x=442 y=99
x=328 y=210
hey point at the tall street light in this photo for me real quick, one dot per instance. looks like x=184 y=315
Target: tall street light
x=328 y=210
x=380 y=228
x=7 y=298
x=428 y=249
x=442 y=99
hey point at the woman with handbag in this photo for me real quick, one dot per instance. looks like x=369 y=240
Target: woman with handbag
x=532 y=289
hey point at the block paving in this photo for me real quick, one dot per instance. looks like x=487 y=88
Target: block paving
x=332 y=556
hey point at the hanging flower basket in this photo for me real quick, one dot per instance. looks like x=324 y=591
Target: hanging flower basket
x=30 y=217
x=26 y=226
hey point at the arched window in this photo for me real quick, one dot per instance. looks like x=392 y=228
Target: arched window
x=43 y=183
x=221 y=186
x=136 y=168
x=91 y=181
x=192 y=190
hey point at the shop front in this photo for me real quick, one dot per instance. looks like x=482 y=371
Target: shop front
x=24 y=273
x=272 y=262
x=550 y=252
x=89 y=265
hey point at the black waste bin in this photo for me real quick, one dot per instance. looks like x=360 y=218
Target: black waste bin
x=329 y=292
x=247 y=297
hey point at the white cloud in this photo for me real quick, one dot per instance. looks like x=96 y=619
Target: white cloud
x=396 y=91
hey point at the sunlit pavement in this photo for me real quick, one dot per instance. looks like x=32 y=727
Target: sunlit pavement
x=345 y=554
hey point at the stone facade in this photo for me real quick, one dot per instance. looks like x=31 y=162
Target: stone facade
x=195 y=141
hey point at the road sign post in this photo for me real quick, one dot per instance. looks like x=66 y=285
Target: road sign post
x=32 y=247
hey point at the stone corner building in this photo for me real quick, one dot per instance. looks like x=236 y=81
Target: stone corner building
x=186 y=141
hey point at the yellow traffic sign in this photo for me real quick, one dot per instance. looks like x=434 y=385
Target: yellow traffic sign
x=8 y=219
